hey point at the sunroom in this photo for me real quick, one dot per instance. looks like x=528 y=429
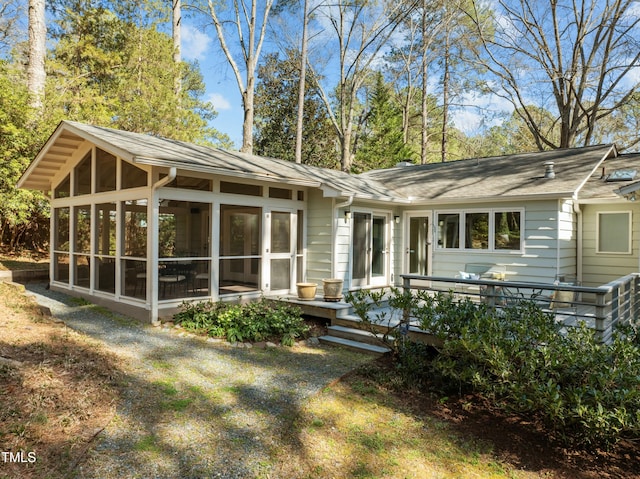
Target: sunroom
x=141 y=234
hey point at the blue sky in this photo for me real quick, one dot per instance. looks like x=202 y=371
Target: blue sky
x=200 y=44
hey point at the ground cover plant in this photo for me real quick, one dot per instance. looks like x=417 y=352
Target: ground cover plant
x=585 y=394
x=263 y=320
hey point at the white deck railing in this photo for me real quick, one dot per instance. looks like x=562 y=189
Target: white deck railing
x=602 y=308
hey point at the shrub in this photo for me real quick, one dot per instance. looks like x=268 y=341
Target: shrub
x=257 y=321
x=586 y=393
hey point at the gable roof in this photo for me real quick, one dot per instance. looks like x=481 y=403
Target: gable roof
x=577 y=170
x=512 y=176
x=156 y=151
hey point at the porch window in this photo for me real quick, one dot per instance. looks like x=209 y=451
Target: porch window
x=132 y=176
x=82 y=175
x=240 y=188
x=190 y=183
x=135 y=228
x=61 y=225
x=614 y=232
x=507 y=230
x=63 y=190
x=240 y=248
x=184 y=247
x=105 y=171
x=82 y=246
x=105 y=248
x=491 y=230
x=477 y=230
x=449 y=230
x=133 y=266
x=61 y=257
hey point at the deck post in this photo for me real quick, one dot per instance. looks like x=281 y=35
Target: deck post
x=601 y=315
x=406 y=289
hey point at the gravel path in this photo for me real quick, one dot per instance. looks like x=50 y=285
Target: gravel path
x=193 y=408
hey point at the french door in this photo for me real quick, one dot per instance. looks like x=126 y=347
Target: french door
x=370 y=249
x=417 y=243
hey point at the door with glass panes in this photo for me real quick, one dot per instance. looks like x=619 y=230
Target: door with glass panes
x=417 y=243
x=281 y=231
x=370 y=249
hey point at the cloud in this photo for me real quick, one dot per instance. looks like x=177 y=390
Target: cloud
x=219 y=102
x=195 y=43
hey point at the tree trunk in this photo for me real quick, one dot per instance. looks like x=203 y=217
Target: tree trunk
x=303 y=72
x=247 y=124
x=177 y=52
x=36 y=75
x=424 y=65
x=445 y=99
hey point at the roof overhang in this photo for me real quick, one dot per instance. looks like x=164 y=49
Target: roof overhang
x=51 y=158
x=629 y=191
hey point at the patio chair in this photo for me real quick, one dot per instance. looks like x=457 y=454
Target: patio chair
x=563 y=303
x=171 y=276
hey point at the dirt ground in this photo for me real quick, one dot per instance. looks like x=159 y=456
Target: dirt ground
x=62 y=389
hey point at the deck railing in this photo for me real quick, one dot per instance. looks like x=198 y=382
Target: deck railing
x=602 y=308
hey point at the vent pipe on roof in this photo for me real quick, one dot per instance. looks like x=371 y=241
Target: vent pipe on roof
x=549 y=173
x=407 y=162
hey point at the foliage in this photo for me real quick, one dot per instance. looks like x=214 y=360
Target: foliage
x=276 y=106
x=23 y=214
x=381 y=143
x=585 y=392
x=256 y=321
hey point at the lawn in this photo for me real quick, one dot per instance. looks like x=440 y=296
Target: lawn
x=65 y=389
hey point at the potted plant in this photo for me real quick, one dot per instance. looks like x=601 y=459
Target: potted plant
x=332 y=289
x=306 y=291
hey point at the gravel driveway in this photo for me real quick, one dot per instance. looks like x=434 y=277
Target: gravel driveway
x=194 y=408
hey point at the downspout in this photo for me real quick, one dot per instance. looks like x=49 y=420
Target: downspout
x=578 y=211
x=152 y=246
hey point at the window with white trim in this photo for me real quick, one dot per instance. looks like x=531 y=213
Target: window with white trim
x=614 y=232
x=481 y=230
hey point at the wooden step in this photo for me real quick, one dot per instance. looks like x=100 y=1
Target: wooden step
x=354 y=334
x=355 y=345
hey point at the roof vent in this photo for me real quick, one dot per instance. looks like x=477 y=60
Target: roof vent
x=402 y=163
x=549 y=172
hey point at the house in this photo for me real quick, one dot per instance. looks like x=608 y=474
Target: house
x=141 y=223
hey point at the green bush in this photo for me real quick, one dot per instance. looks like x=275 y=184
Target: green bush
x=261 y=320
x=586 y=393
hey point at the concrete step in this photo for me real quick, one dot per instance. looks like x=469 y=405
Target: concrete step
x=354 y=334
x=355 y=345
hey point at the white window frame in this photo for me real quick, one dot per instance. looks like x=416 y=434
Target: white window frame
x=629 y=214
x=492 y=235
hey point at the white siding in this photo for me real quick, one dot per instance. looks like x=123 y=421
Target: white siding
x=543 y=253
x=600 y=268
x=319 y=237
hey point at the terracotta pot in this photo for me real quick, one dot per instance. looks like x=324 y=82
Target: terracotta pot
x=306 y=291
x=332 y=289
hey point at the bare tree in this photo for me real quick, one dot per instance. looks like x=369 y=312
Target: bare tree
x=10 y=12
x=36 y=75
x=248 y=27
x=177 y=51
x=361 y=31
x=578 y=59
